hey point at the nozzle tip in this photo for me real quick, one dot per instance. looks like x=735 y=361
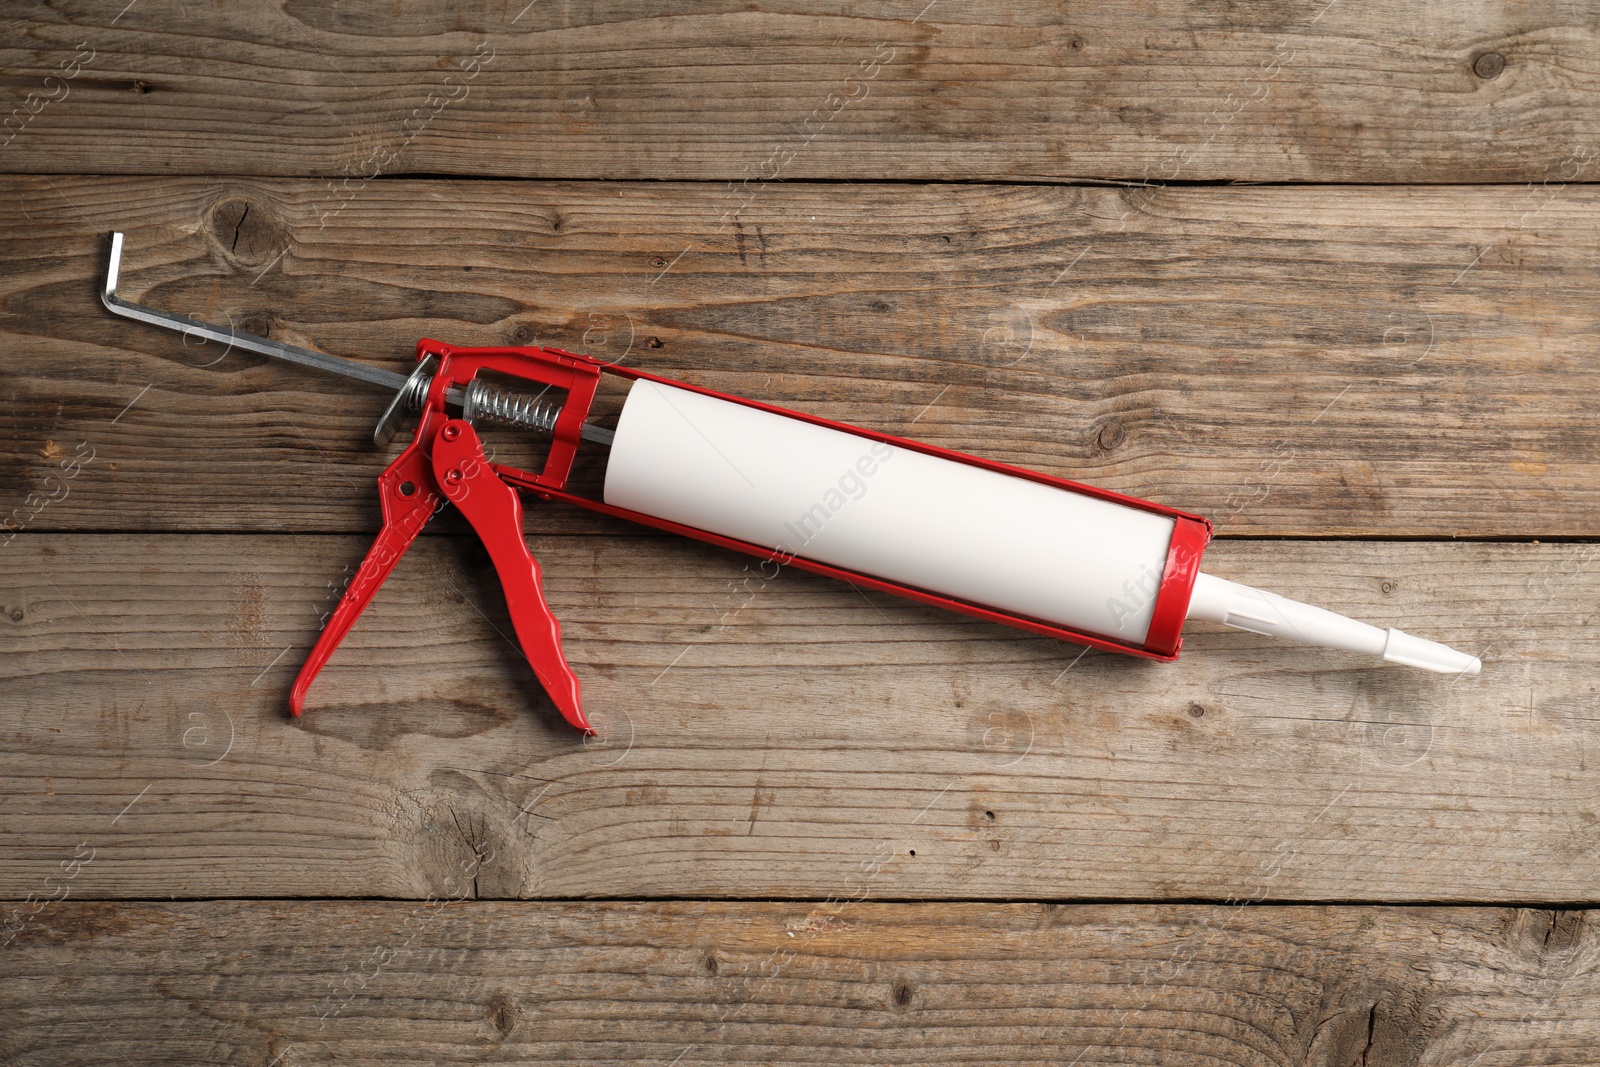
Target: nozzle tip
x=1429 y=655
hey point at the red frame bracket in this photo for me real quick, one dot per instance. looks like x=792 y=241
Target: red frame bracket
x=580 y=374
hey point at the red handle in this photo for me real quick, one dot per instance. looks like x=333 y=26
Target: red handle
x=409 y=498
x=446 y=461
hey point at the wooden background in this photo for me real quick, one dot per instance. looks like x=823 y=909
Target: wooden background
x=1326 y=272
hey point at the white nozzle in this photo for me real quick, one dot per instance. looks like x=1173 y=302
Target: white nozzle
x=1429 y=655
x=1232 y=604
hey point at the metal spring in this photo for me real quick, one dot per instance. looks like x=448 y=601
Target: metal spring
x=415 y=391
x=508 y=409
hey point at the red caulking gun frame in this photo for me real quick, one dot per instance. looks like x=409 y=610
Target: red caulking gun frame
x=996 y=542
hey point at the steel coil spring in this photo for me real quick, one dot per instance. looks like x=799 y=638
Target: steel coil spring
x=508 y=409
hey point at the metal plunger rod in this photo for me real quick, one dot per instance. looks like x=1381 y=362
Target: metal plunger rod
x=493 y=400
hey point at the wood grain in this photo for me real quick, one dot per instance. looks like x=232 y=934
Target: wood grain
x=782 y=760
x=1307 y=91
x=294 y=983
x=1312 y=362
x=787 y=740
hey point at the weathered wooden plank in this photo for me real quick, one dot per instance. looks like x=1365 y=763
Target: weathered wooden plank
x=1308 y=91
x=302 y=982
x=785 y=739
x=1289 y=361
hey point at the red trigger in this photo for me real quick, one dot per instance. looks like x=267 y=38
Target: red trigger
x=464 y=476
